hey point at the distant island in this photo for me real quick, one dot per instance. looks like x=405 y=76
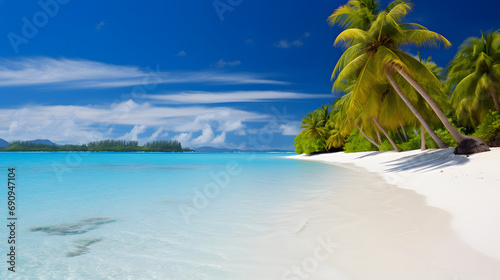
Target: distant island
x=98 y=146
x=45 y=145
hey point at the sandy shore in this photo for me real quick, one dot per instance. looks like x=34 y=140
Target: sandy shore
x=442 y=221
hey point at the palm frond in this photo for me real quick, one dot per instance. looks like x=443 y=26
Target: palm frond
x=351 y=36
x=399 y=11
x=351 y=70
x=346 y=57
x=421 y=38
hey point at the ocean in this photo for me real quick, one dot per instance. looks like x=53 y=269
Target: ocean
x=169 y=216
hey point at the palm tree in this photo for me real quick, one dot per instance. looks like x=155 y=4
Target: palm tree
x=360 y=16
x=373 y=116
x=355 y=14
x=373 y=57
x=313 y=125
x=344 y=122
x=443 y=101
x=475 y=74
x=324 y=113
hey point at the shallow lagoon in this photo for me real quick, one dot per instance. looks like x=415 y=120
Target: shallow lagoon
x=169 y=216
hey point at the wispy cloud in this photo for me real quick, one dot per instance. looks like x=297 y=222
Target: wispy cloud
x=100 y=25
x=134 y=133
x=197 y=97
x=286 y=44
x=291 y=128
x=181 y=53
x=76 y=124
x=222 y=63
x=74 y=73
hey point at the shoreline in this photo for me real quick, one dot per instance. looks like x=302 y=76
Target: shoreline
x=466 y=187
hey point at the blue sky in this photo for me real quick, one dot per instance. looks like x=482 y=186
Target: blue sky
x=239 y=75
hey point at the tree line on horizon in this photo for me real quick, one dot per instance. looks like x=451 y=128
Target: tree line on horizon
x=99 y=146
x=395 y=101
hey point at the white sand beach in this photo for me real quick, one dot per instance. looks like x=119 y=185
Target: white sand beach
x=440 y=221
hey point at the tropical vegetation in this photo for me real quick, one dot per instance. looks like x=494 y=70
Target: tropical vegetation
x=394 y=101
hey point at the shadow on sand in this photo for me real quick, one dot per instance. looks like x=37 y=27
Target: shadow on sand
x=430 y=160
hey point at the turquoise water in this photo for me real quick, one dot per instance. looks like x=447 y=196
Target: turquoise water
x=158 y=215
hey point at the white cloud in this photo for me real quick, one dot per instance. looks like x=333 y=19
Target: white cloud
x=74 y=73
x=81 y=124
x=286 y=44
x=222 y=63
x=240 y=132
x=291 y=128
x=100 y=25
x=182 y=53
x=183 y=138
x=156 y=134
x=231 y=125
x=133 y=134
x=201 y=97
x=219 y=140
x=206 y=136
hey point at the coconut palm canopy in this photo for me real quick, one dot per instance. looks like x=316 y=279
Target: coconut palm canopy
x=388 y=89
x=371 y=51
x=475 y=75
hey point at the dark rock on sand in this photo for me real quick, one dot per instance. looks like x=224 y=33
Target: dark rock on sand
x=80 y=227
x=470 y=146
x=82 y=247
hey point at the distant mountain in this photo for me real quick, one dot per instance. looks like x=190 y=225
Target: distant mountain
x=42 y=141
x=3 y=143
x=206 y=149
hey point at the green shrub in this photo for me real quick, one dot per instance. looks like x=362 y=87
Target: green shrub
x=307 y=145
x=386 y=146
x=355 y=143
x=489 y=129
x=412 y=144
x=444 y=135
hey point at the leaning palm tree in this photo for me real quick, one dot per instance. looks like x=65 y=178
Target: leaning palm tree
x=360 y=16
x=372 y=115
x=475 y=74
x=344 y=123
x=442 y=102
x=373 y=57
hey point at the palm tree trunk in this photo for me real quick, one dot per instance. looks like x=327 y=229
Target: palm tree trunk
x=453 y=131
x=495 y=98
x=366 y=136
x=427 y=127
x=404 y=131
x=379 y=137
x=423 y=147
x=387 y=135
x=400 y=135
